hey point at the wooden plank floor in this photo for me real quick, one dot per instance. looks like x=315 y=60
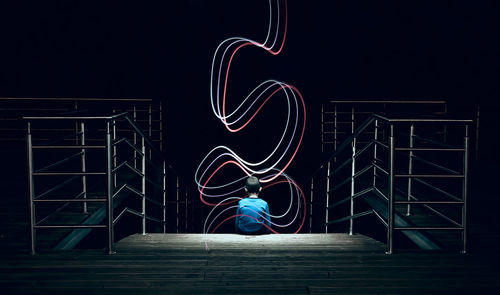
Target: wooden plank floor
x=235 y=264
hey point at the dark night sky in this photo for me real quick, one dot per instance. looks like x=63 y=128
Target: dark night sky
x=335 y=49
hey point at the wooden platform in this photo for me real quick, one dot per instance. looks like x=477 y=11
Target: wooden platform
x=235 y=264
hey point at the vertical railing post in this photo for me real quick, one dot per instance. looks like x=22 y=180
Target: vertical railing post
x=164 y=189
x=476 y=146
x=150 y=129
x=31 y=190
x=114 y=152
x=335 y=132
x=161 y=126
x=186 y=207
x=135 y=138
x=390 y=221
x=465 y=189
x=84 y=168
x=410 y=168
x=143 y=190
x=311 y=206
x=327 y=195
x=322 y=129
x=375 y=138
x=177 y=203
x=109 y=190
x=353 y=172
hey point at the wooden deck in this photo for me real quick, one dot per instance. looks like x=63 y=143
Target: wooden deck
x=235 y=264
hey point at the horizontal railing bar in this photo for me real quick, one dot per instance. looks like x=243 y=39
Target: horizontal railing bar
x=68 y=146
x=421 y=120
x=71 y=200
x=154 y=219
x=420 y=159
x=56 y=187
x=73 y=118
x=431 y=149
x=71 y=226
x=434 y=141
x=58 y=209
x=428 y=202
x=428 y=228
x=72 y=99
x=437 y=189
x=428 y=176
x=390 y=101
x=67 y=173
x=59 y=162
x=350 y=217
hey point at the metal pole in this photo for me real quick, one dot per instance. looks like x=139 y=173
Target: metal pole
x=84 y=169
x=476 y=149
x=335 y=132
x=327 y=195
x=311 y=206
x=110 y=185
x=465 y=189
x=322 y=129
x=375 y=137
x=150 y=129
x=353 y=172
x=390 y=221
x=186 y=207
x=135 y=139
x=161 y=126
x=114 y=151
x=177 y=205
x=445 y=127
x=31 y=192
x=143 y=166
x=164 y=188
x=410 y=168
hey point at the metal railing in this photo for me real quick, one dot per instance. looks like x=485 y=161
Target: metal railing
x=134 y=168
x=405 y=169
x=147 y=114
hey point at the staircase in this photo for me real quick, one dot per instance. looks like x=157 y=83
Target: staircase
x=408 y=171
x=70 y=144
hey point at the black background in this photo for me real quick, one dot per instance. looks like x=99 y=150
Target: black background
x=334 y=50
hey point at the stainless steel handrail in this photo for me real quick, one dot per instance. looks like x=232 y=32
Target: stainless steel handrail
x=391 y=174
x=110 y=173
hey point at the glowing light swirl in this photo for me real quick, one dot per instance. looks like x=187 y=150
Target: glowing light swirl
x=272 y=167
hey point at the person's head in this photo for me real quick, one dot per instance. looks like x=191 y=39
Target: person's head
x=253 y=185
